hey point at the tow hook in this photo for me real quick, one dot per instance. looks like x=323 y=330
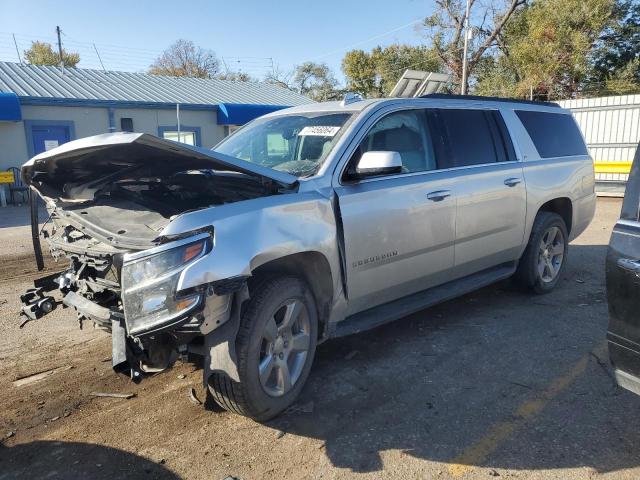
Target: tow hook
x=35 y=304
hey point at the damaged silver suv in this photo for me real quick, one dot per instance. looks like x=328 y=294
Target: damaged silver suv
x=309 y=223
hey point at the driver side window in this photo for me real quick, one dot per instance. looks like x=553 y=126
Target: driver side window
x=404 y=132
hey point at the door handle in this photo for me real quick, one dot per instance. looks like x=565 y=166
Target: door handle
x=512 y=181
x=630 y=265
x=438 y=195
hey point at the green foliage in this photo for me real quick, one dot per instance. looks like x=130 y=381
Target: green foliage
x=185 y=59
x=236 y=77
x=42 y=53
x=547 y=48
x=361 y=73
x=316 y=81
x=496 y=78
x=616 y=53
x=446 y=30
x=374 y=74
x=625 y=80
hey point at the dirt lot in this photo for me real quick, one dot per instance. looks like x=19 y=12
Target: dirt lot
x=494 y=383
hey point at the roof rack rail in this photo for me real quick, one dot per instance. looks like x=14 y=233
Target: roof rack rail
x=488 y=99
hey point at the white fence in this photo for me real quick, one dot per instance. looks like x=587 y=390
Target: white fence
x=611 y=128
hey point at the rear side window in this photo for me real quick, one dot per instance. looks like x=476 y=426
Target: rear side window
x=553 y=134
x=471 y=137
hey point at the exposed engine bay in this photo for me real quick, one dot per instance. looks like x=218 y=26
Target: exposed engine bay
x=108 y=206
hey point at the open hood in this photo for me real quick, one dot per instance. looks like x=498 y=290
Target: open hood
x=88 y=159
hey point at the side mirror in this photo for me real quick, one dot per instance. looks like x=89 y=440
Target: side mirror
x=374 y=163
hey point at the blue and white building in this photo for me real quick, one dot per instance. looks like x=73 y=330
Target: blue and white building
x=42 y=107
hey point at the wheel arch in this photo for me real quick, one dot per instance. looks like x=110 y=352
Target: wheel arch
x=563 y=207
x=314 y=268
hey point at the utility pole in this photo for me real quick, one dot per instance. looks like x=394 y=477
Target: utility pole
x=463 y=87
x=58 y=31
x=178 y=120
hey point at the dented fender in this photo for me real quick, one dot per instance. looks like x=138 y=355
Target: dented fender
x=250 y=234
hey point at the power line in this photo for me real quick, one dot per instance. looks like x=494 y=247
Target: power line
x=370 y=39
x=98 y=55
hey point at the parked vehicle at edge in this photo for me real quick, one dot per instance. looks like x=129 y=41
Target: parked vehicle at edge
x=623 y=286
x=309 y=223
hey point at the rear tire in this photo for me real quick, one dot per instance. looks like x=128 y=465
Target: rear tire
x=542 y=262
x=275 y=346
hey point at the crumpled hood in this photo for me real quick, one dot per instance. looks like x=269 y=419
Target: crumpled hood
x=91 y=158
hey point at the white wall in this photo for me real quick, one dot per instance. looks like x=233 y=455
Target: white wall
x=95 y=120
x=149 y=120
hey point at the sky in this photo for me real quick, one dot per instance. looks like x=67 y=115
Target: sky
x=248 y=35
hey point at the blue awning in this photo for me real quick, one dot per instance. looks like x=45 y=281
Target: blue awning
x=241 y=113
x=9 y=107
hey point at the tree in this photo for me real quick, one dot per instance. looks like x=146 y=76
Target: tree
x=616 y=53
x=625 y=80
x=314 y=80
x=445 y=29
x=550 y=43
x=185 y=59
x=236 y=77
x=279 y=77
x=362 y=76
x=496 y=77
x=375 y=74
x=42 y=53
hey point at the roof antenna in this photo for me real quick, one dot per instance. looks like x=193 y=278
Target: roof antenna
x=100 y=59
x=60 y=50
x=17 y=49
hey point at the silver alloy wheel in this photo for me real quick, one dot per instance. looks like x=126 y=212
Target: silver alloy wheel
x=550 y=254
x=285 y=345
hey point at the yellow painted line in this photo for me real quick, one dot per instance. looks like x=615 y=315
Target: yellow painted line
x=477 y=453
x=6 y=177
x=612 y=167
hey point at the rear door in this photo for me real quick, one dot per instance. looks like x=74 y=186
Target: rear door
x=623 y=286
x=489 y=188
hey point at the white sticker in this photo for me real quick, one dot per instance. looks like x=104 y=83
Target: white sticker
x=50 y=144
x=318 y=131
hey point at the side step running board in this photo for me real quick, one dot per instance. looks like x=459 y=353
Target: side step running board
x=389 y=312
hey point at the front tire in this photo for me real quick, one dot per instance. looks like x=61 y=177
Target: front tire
x=275 y=346
x=541 y=264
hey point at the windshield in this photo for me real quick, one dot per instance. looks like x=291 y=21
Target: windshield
x=296 y=144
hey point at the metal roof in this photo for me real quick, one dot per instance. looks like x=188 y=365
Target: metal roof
x=41 y=83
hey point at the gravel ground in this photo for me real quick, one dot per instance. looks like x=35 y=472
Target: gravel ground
x=496 y=383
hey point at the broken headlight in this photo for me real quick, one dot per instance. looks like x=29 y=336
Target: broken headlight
x=149 y=281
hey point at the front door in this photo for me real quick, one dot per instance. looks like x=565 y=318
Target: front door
x=398 y=232
x=45 y=137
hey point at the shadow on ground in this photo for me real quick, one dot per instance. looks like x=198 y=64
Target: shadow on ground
x=446 y=383
x=71 y=460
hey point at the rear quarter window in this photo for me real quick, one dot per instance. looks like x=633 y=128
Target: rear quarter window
x=553 y=134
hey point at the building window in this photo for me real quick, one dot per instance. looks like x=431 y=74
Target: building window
x=126 y=124
x=188 y=135
x=184 y=137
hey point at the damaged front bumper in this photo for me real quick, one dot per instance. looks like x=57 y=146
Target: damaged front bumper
x=150 y=320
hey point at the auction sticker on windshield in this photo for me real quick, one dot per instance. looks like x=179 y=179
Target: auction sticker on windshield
x=318 y=131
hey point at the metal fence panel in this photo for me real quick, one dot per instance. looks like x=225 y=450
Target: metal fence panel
x=611 y=128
